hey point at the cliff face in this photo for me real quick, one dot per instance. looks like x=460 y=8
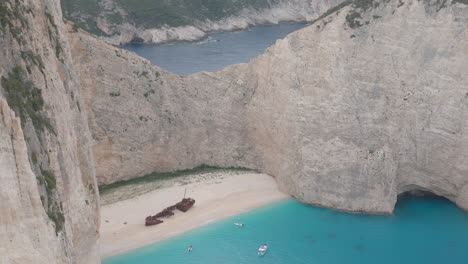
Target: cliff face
x=364 y=104
x=154 y=120
x=119 y=22
x=347 y=113
x=361 y=106
x=49 y=201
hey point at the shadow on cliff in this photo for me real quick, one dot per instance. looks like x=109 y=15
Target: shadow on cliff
x=408 y=197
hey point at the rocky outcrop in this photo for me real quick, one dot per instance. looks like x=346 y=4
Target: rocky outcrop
x=155 y=120
x=362 y=105
x=48 y=192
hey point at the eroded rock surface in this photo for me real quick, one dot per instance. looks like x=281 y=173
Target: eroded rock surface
x=346 y=113
x=48 y=192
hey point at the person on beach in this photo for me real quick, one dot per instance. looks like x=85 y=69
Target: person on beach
x=189 y=248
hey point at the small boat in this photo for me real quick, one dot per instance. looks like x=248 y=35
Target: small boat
x=262 y=250
x=239 y=224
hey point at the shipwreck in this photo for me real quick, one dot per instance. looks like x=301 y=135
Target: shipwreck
x=183 y=206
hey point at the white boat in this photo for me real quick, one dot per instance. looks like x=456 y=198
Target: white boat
x=239 y=224
x=262 y=250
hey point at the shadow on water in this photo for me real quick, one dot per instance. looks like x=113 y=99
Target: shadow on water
x=408 y=198
x=359 y=247
x=419 y=194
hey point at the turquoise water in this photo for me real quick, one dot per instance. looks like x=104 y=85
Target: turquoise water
x=216 y=52
x=423 y=230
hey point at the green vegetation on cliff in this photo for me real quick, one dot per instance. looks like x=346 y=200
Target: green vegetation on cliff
x=155 y=13
x=13 y=19
x=158 y=176
x=355 y=17
x=27 y=102
x=150 y=13
x=83 y=13
x=25 y=99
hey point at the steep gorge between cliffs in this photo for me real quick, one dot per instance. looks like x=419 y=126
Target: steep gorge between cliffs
x=347 y=113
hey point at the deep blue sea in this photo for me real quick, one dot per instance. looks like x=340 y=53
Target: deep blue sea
x=423 y=230
x=216 y=52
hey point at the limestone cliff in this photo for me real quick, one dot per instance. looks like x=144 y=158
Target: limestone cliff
x=349 y=112
x=49 y=201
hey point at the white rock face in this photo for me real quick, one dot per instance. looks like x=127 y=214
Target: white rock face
x=35 y=40
x=343 y=118
x=283 y=11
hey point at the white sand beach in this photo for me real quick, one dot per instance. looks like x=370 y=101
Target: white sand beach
x=218 y=195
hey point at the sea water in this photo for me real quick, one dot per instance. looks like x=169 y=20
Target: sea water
x=422 y=230
x=216 y=52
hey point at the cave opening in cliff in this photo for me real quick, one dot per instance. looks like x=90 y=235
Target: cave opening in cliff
x=412 y=194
